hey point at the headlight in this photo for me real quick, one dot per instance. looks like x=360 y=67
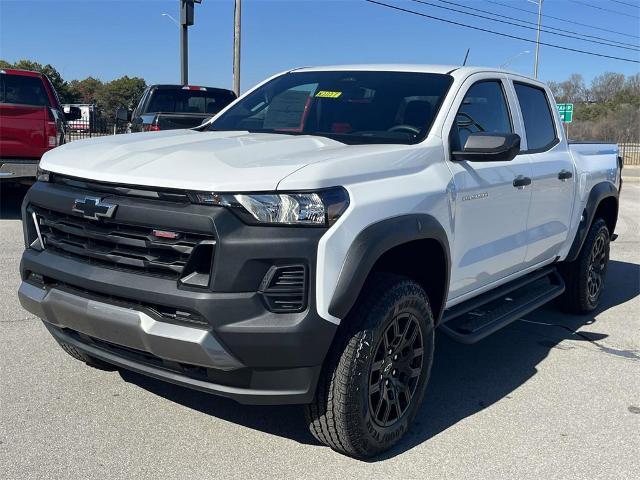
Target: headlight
x=42 y=175
x=315 y=209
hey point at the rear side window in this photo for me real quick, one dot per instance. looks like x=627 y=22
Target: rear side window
x=484 y=109
x=536 y=113
x=22 y=90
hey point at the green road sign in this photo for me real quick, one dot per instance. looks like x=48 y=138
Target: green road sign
x=566 y=112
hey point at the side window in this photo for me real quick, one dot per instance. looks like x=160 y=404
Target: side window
x=536 y=113
x=484 y=109
x=23 y=90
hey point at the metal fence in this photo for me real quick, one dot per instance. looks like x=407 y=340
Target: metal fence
x=94 y=127
x=630 y=152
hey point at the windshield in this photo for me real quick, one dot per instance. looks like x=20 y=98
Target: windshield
x=351 y=107
x=189 y=101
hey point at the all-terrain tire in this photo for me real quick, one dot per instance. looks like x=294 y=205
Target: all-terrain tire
x=581 y=294
x=352 y=396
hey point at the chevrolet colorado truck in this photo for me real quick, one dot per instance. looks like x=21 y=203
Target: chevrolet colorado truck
x=303 y=245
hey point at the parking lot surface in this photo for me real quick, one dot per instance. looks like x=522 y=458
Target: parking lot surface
x=551 y=396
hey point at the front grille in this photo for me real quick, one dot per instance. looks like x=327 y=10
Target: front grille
x=117 y=245
x=285 y=289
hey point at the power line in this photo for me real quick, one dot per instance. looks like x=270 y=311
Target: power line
x=535 y=24
x=552 y=32
x=625 y=3
x=617 y=12
x=486 y=30
x=562 y=19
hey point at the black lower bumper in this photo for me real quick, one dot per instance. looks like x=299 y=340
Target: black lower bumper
x=264 y=387
x=264 y=359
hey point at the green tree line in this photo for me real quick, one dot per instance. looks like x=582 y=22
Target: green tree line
x=108 y=96
x=608 y=109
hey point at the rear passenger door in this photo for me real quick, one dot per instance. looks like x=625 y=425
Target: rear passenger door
x=553 y=176
x=490 y=213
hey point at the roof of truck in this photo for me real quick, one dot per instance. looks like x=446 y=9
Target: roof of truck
x=25 y=73
x=400 y=67
x=457 y=71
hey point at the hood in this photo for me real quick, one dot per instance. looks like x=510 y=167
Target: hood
x=188 y=159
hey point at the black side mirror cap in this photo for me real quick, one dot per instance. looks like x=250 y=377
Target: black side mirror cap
x=123 y=114
x=489 y=147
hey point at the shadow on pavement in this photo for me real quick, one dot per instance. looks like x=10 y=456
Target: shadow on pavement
x=11 y=195
x=464 y=380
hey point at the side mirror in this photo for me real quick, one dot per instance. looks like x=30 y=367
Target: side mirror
x=123 y=114
x=489 y=147
x=72 y=113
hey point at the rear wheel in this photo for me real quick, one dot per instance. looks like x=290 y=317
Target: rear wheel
x=375 y=375
x=585 y=276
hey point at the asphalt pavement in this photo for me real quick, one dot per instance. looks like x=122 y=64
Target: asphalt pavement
x=551 y=396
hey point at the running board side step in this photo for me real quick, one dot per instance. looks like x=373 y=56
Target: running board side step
x=479 y=317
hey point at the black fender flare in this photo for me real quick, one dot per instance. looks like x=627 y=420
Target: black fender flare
x=598 y=193
x=371 y=243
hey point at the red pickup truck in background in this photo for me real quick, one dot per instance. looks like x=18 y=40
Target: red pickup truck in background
x=31 y=122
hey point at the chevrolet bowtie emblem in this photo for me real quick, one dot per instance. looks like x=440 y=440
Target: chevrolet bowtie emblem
x=93 y=208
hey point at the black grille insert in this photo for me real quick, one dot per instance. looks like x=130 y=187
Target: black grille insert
x=285 y=288
x=117 y=245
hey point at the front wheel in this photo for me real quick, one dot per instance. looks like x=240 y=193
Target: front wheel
x=376 y=372
x=584 y=277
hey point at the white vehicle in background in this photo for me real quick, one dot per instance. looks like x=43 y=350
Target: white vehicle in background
x=303 y=245
x=87 y=117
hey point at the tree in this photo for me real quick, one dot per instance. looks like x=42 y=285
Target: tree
x=121 y=92
x=571 y=90
x=87 y=90
x=605 y=87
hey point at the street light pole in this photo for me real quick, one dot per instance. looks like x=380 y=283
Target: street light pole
x=236 y=47
x=186 y=20
x=535 y=68
x=184 y=54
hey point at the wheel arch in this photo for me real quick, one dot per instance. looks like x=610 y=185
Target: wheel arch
x=392 y=246
x=601 y=203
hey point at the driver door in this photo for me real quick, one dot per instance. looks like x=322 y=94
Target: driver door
x=490 y=213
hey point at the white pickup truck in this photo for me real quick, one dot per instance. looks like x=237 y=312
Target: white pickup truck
x=303 y=245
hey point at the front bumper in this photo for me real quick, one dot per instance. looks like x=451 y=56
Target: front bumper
x=12 y=169
x=237 y=347
x=126 y=326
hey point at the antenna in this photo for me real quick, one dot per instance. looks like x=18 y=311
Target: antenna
x=466 y=55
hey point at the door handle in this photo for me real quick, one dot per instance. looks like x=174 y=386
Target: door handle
x=564 y=175
x=521 y=181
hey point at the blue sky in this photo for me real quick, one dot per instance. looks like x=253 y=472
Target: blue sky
x=110 y=38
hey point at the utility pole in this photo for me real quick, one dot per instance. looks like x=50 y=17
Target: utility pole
x=236 y=46
x=186 y=20
x=535 y=68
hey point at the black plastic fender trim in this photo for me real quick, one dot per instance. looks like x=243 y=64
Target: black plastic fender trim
x=598 y=193
x=371 y=243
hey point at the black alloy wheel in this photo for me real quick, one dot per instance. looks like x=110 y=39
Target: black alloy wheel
x=395 y=370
